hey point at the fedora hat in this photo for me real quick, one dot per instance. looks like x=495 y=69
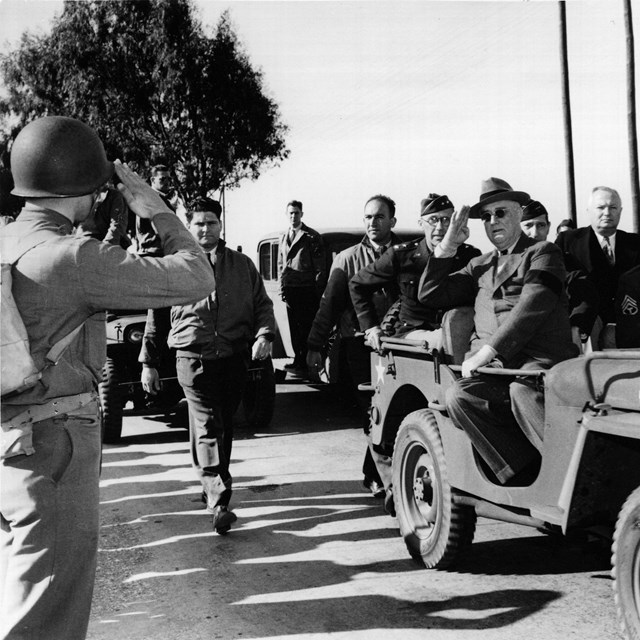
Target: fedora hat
x=494 y=190
x=434 y=203
x=533 y=209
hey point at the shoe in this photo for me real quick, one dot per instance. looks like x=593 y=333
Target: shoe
x=223 y=519
x=376 y=489
x=293 y=366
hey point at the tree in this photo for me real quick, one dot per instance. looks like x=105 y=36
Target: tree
x=156 y=88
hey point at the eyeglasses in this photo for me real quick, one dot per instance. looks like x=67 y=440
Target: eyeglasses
x=486 y=216
x=433 y=220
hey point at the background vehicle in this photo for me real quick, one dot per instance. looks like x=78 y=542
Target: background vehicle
x=121 y=379
x=335 y=240
x=589 y=469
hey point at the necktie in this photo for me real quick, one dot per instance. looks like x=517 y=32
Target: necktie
x=380 y=251
x=290 y=237
x=608 y=251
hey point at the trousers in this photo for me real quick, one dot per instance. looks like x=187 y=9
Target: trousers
x=213 y=389
x=503 y=417
x=302 y=305
x=49 y=506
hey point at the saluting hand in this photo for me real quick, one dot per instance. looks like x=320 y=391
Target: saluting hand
x=141 y=198
x=458 y=231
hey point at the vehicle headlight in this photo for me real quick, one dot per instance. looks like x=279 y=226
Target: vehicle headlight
x=134 y=335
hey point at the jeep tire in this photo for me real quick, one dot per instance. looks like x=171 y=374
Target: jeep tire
x=435 y=529
x=625 y=561
x=111 y=401
x=258 y=398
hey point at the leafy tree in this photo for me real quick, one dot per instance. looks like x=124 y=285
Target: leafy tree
x=156 y=88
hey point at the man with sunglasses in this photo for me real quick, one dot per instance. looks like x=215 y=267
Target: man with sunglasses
x=521 y=322
x=399 y=270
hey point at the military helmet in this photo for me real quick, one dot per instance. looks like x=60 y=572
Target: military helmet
x=58 y=157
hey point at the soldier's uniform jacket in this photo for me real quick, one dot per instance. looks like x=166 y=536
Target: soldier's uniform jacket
x=627 y=308
x=399 y=269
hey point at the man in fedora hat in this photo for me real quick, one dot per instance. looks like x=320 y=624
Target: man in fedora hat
x=521 y=321
x=399 y=270
x=535 y=220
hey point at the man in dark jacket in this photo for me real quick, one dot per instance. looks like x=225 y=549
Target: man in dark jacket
x=302 y=271
x=336 y=308
x=595 y=257
x=213 y=339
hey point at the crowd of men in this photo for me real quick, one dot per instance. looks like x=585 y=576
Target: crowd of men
x=535 y=303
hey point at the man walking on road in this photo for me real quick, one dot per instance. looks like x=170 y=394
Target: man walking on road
x=214 y=338
x=51 y=430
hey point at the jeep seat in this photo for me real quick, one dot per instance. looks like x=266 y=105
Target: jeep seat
x=457 y=327
x=613 y=380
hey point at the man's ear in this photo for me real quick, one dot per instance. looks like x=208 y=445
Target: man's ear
x=393 y=221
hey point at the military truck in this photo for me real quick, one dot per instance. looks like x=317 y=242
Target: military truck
x=589 y=468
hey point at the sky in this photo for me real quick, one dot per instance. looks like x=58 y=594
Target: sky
x=410 y=97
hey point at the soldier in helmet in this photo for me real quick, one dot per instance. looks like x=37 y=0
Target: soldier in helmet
x=62 y=282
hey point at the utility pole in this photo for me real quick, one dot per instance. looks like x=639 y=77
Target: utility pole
x=566 y=111
x=631 y=116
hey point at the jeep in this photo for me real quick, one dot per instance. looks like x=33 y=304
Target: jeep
x=590 y=463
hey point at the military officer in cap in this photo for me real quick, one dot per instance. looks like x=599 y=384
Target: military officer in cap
x=535 y=220
x=400 y=269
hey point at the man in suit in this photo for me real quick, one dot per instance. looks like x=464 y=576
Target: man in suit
x=302 y=271
x=595 y=257
x=521 y=321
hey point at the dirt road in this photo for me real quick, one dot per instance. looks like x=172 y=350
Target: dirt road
x=313 y=556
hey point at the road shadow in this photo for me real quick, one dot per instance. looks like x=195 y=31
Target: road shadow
x=286 y=567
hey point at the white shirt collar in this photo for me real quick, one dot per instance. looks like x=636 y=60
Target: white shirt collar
x=612 y=241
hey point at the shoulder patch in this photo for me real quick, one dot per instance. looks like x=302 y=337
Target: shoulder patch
x=629 y=306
